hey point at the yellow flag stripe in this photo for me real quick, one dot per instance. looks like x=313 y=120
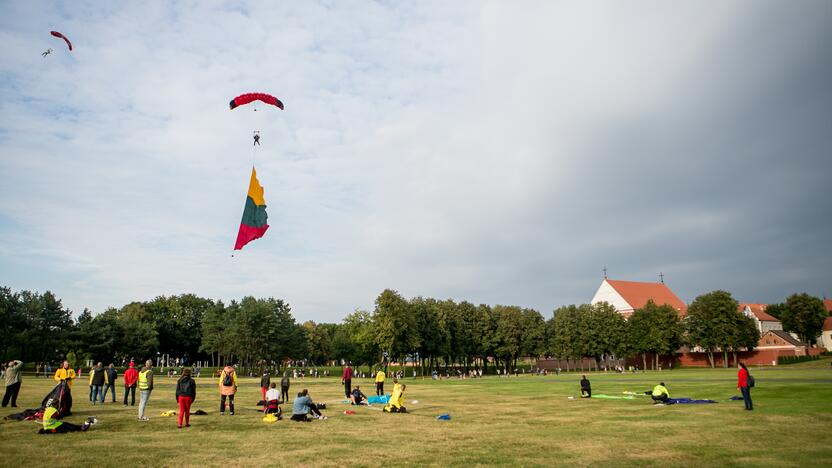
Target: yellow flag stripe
x=255 y=190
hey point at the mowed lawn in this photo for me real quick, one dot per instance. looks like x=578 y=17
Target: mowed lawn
x=526 y=420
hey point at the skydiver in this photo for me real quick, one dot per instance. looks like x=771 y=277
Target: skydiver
x=256 y=139
x=46 y=52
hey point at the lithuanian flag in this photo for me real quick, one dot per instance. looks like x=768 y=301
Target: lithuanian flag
x=253 y=224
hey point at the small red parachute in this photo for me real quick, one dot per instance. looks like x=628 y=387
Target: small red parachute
x=247 y=98
x=61 y=36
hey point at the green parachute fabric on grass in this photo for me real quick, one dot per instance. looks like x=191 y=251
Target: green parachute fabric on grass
x=613 y=397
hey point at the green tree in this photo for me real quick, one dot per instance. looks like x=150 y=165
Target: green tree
x=394 y=325
x=140 y=336
x=711 y=322
x=804 y=315
x=319 y=343
x=655 y=329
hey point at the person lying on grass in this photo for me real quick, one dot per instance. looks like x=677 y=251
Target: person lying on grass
x=358 y=397
x=303 y=405
x=51 y=425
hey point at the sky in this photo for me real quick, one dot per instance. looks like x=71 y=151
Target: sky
x=495 y=152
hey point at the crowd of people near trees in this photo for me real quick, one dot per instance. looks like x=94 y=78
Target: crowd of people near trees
x=425 y=333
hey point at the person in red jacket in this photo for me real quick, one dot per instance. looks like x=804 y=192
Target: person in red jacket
x=346 y=379
x=131 y=376
x=744 y=385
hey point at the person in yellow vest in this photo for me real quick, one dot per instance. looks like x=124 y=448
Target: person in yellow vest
x=66 y=374
x=380 y=382
x=51 y=425
x=660 y=394
x=228 y=387
x=145 y=387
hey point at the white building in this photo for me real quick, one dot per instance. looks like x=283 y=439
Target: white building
x=627 y=296
x=762 y=320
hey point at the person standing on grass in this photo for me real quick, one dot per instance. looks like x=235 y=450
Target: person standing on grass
x=110 y=376
x=586 y=387
x=265 y=380
x=284 y=387
x=97 y=380
x=346 y=380
x=145 y=388
x=380 y=382
x=131 y=377
x=66 y=374
x=185 y=395
x=743 y=385
x=12 y=383
x=228 y=387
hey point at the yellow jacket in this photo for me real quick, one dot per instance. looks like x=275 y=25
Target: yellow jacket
x=49 y=421
x=396 y=399
x=380 y=377
x=65 y=374
x=659 y=390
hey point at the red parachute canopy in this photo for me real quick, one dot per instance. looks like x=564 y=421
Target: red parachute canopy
x=244 y=99
x=61 y=36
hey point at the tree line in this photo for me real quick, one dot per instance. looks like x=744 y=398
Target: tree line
x=429 y=332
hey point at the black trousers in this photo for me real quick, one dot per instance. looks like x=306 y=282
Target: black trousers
x=63 y=428
x=586 y=393
x=662 y=398
x=347 y=387
x=284 y=393
x=11 y=394
x=379 y=388
x=230 y=403
x=132 y=392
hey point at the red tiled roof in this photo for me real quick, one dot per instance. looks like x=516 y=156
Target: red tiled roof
x=759 y=311
x=828 y=304
x=827 y=324
x=637 y=294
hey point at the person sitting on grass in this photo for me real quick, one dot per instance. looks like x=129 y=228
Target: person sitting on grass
x=586 y=388
x=51 y=425
x=659 y=394
x=358 y=397
x=273 y=402
x=303 y=405
x=396 y=402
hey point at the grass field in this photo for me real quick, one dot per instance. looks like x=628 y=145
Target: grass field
x=525 y=420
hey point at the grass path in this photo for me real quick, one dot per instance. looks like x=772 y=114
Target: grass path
x=525 y=420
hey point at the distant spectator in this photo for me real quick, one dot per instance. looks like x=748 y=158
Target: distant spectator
x=97 y=379
x=265 y=380
x=346 y=380
x=13 y=381
x=228 y=387
x=380 y=382
x=284 y=387
x=131 y=378
x=110 y=376
x=185 y=395
x=586 y=388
